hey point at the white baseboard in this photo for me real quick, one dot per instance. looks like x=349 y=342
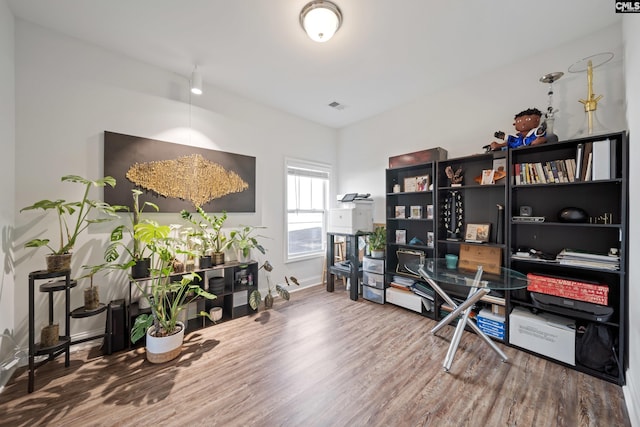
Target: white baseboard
x=632 y=398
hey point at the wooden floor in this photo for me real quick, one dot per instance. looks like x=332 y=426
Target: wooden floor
x=318 y=360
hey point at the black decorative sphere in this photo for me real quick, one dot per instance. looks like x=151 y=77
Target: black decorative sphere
x=572 y=215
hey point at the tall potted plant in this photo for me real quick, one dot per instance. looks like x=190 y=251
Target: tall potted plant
x=138 y=254
x=73 y=219
x=167 y=298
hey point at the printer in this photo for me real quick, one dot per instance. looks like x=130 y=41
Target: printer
x=354 y=214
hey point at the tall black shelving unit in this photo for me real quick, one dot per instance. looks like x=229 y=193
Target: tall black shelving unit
x=604 y=200
x=603 y=197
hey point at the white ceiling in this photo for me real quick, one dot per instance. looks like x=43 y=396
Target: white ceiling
x=387 y=53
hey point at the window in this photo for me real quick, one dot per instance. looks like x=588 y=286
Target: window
x=307 y=204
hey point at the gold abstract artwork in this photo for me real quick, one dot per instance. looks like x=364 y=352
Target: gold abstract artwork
x=191 y=178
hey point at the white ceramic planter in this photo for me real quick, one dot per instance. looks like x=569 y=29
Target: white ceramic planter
x=241 y=257
x=164 y=349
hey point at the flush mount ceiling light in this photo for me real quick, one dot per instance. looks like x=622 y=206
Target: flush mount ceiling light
x=196 y=82
x=320 y=19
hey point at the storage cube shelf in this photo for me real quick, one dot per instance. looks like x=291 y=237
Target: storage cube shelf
x=601 y=193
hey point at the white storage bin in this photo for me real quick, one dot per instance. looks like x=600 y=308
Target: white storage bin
x=548 y=334
x=373 y=265
x=373 y=294
x=372 y=279
x=404 y=299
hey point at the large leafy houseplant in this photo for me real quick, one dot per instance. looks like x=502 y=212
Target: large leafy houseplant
x=210 y=227
x=166 y=297
x=138 y=253
x=73 y=217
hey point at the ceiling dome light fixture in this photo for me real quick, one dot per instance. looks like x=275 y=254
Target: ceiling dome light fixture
x=320 y=19
x=196 y=82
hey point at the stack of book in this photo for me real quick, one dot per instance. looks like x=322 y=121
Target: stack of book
x=579 y=258
x=491 y=324
x=402 y=283
x=423 y=290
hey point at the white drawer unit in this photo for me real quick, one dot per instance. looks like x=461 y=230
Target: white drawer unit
x=373 y=265
x=373 y=294
x=373 y=280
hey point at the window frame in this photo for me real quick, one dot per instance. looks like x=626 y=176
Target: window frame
x=320 y=168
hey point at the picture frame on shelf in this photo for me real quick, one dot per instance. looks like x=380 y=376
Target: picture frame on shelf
x=415 y=212
x=487 y=177
x=429 y=211
x=430 y=239
x=401 y=237
x=500 y=166
x=417 y=183
x=477 y=233
x=400 y=212
x=423 y=182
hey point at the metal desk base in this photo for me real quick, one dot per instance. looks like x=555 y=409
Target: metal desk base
x=475 y=294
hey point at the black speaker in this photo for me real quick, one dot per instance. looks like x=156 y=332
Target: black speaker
x=526 y=211
x=118 y=325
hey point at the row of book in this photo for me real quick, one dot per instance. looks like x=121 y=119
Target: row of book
x=593 y=161
x=555 y=171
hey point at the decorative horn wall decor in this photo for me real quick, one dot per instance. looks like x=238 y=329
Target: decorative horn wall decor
x=176 y=176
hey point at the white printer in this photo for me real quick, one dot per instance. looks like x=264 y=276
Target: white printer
x=354 y=214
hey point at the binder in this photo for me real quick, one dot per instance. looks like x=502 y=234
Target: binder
x=579 y=155
x=601 y=162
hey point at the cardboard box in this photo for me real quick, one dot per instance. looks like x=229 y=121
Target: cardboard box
x=544 y=333
x=356 y=216
x=490 y=257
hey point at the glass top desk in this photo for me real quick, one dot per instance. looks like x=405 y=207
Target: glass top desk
x=435 y=271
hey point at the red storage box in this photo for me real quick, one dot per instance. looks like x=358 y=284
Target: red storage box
x=567 y=288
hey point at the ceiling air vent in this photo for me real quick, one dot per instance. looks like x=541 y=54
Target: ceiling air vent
x=337 y=105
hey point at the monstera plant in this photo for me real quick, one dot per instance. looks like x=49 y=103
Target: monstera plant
x=73 y=219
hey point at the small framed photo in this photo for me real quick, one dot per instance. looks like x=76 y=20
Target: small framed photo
x=422 y=183
x=477 y=233
x=487 y=177
x=430 y=242
x=417 y=183
x=429 y=211
x=500 y=165
x=401 y=237
x=410 y=184
x=400 y=212
x=416 y=212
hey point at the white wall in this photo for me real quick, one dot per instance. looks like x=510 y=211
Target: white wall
x=7 y=179
x=463 y=118
x=69 y=92
x=631 y=36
